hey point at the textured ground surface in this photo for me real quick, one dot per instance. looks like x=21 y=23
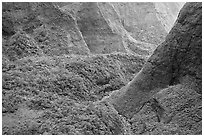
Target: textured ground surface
x=57 y=88
x=54 y=83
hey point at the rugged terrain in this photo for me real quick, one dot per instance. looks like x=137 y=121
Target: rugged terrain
x=101 y=68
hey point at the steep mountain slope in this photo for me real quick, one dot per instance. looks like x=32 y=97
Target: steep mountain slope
x=167 y=13
x=81 y=28
x=55 y=81
x=131 y=26
x=55 y=32
x=140 y=20
x=97 y=33
x=59 y=92
x=147 y=21
x=177 y=62
x=131 y=45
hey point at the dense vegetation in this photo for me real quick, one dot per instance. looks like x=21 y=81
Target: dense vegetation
x=52 y=84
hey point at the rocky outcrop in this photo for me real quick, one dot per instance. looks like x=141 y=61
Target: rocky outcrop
x=180 y=55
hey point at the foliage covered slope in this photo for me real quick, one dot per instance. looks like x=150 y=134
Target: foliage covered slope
x=62 y=89
x=52 y=84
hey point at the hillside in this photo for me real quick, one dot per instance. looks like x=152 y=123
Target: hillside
x=101 y=68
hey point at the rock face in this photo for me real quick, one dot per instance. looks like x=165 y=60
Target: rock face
x=178 y=57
